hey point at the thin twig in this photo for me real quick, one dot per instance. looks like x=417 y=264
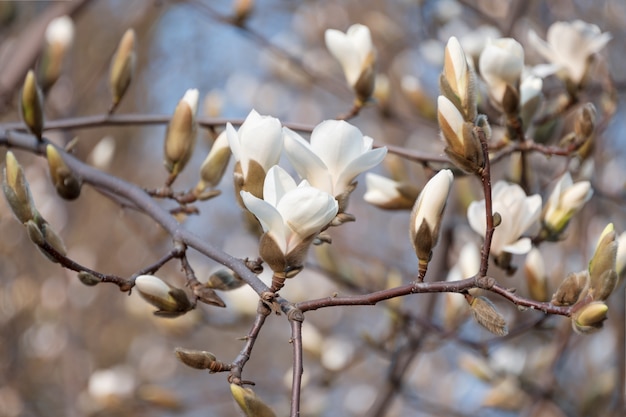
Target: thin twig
x=296 y=318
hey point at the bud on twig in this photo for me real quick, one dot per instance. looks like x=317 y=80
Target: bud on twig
x=251 y=405
x=224 y=280
x=214 y=166
x=16 y=190
x=59 y=37
x=536 y=278
x=122 y=67
x=180 y=138
x=31 y=105
x=88 y=279
x=427 y=213
x=170 y=301
x=585 y=121
x=197 y=359
x=487 y=316
x=65 y=182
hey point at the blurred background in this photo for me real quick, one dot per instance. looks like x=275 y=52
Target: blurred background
x=71 y=350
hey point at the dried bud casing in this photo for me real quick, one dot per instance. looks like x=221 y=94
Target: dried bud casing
x=197 y=359
x=571 y=289
x=122 y=66
x=65 y=182
x=208 y=296
x=16 y=190
x=31 y=105
x=590 y=317
x=487 y=316
x=250 y=404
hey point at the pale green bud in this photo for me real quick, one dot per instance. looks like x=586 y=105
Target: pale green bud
x=122 y=66
x=66 y=183
x=16 y=190
x=590 y=317
x=180 y=138
x=197 y=359
x=170 y=301
x=602 y=273
x=250 y=403
x=31 y=105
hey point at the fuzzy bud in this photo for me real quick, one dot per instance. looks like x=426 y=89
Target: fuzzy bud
x=88 y=279
x=197 y=359
x=214 y=166
x=457 y=82
x=585 y=123
x=122 y=66
x=180 y=138
x=224 y=280
x=31 y=105
x=571 y=288
x=16 y=190
x=65 y=182
x=487 y=316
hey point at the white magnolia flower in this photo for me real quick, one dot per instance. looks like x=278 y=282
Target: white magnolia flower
x=427 y=213
x=355 y=52
x=530 y=96
x=569 y=46
x=566 y=199
x=290 y=213
x=474 y=42
x=517 y=211
x=501 y=64
x=258 y=139
x=337 y=153
x=389 y=194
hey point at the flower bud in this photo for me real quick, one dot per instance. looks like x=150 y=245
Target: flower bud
x=620 y=259
x=248 y=401
x=197 y=359
x=501 y=64
x=571 y=289
x=427 y=213
x=170 y=301
x=388 y=194
x=590 y=317
x=243 y=10
x=530 y=98
x=457 y=81
x=66 y=183
x=180 y=138
x=16 y=190
x=224 y=280
x=602 y=274
x=31 y=105
x=536 y=278
x=214 y=166
x=487 y=316
x=88 y=279
x=122 y=66
x=58 y=39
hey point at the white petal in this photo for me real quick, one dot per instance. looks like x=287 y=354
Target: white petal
x=235 y=145
x=380 y=190
x=364 y=162
x=519 y=247
x=476 y=215
x=344 y=51
x=191 y=98
x=277 y=183
x=269 y=217
x=305 y=161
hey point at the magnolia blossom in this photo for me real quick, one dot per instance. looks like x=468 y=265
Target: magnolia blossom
x=290 y=214
x=517 y=211
x=389 y=194
x=530 y=96
x=566 y=199
x=451 y=123
x=337 y=153
x=620 y=261
x=355 y=52
x=427 y=212
x=501 y=64
x=259 y=139
x=569 y=46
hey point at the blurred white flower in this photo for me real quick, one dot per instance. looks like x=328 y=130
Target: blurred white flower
x=517 y=211
x=337 y=153
x=566 y=199
x=620 y=260
x=530 y=96
x=290 y=213
x=501 y=64
x=355 y=52
x=569 y=46
x=389 y=194
x=60 y=32
x=474 y=42
x=536 y=276
x=258 y=139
